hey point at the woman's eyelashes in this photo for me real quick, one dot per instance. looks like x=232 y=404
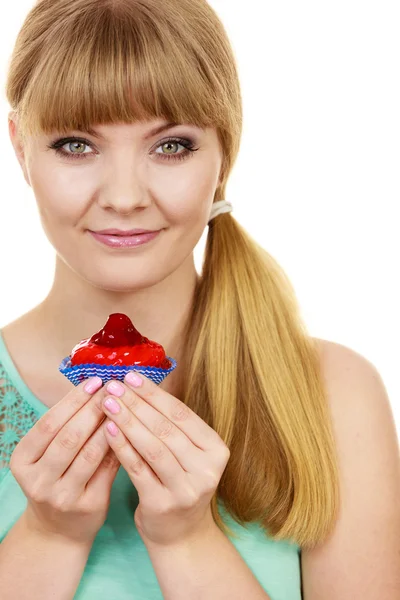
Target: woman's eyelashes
x=187 y=144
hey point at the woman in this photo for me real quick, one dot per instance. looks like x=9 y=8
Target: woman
x=266 y=465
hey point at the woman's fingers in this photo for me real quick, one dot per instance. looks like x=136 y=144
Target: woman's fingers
x=57 y=490
x=95 y=454
x=71 y=440
x=104 y=476
x=33 y=445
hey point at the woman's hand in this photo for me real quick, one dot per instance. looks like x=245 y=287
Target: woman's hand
x=66 y=468
x=173 y=458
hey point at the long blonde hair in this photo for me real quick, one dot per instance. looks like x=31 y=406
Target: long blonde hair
x=251 y=371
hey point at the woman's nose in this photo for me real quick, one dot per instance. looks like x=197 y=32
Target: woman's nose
x=124 y=191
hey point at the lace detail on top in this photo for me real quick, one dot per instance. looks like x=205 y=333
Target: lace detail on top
x=16 y=418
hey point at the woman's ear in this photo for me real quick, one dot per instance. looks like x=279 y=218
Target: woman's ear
x=17 y=143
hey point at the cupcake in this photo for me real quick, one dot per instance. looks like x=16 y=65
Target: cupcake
x=114 y=351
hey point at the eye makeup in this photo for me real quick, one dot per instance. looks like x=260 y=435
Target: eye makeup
x=187 y=144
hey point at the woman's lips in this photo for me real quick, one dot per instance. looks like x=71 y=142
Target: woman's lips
x=126 y=241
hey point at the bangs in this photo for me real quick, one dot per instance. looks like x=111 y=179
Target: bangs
x=102 y=67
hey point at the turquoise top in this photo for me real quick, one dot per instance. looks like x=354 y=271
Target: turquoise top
x=119 y=566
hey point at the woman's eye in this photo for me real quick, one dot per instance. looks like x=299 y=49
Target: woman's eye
x=169 y=148
x=75 y=144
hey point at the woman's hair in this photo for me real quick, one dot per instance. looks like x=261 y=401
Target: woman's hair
x=251 y=370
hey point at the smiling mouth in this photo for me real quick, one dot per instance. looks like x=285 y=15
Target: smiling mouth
x=124 y=240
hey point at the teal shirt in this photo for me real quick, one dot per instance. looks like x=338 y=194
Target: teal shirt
x=119 y=566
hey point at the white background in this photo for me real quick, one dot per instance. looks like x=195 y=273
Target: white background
x=317 y=179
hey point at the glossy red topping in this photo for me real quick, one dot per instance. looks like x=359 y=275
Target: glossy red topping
x=119 y=343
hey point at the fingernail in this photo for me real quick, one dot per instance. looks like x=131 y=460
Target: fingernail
x=115 y=388
x=112 y=428
x=93 y=385
x=133 y=379
x=112 y=406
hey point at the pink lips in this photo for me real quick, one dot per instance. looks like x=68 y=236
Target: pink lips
x=124 y=241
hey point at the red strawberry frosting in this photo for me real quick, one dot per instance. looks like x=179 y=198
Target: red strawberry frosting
x=119 y=343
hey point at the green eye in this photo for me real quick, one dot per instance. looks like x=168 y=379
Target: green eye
x=170 y=146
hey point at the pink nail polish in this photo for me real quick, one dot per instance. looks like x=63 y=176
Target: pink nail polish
x=115 y=388
x=133 y=379
x=112 y=428
x=93 y=385
x=112 y=406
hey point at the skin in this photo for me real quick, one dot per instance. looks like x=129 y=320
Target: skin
x=124 y=183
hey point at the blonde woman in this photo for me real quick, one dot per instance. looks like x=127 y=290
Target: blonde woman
x=266 y=465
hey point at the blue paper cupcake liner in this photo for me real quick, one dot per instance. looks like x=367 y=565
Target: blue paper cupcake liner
x=79 y=373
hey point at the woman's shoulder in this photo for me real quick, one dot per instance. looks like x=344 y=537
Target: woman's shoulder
x=354 y=386
x=368 y=456
x=334 y=354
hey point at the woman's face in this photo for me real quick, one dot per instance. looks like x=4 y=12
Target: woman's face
x=131 y=178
